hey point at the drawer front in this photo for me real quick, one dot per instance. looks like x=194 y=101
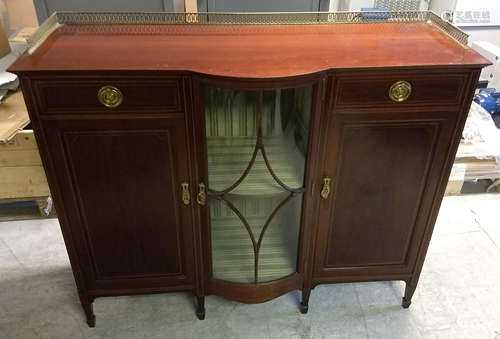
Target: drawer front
x=117 y=95
x=362 y=91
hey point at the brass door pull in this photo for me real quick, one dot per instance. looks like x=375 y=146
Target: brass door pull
x=400 y=91
x=110 y=96
x=325 y=191
x=186 y=196
x=201 y=198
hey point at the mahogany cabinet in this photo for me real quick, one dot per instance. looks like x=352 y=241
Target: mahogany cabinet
x=249 y=160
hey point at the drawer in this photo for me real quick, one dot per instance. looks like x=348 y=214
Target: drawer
x=117 y=95
x=355 y=91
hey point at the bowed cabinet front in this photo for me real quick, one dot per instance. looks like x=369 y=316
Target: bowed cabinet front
x=256 y=142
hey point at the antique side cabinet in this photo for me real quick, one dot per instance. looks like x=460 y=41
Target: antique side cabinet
x=246 y=155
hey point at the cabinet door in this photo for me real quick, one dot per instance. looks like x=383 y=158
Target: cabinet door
x=256 y=151
x=384 y=170
x=122 y=186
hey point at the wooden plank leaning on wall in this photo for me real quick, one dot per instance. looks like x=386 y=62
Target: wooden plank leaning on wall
x=22 y=176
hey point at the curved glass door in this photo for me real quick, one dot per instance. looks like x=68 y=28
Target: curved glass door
x=256 y=153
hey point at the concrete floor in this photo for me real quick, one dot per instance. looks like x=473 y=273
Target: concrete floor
x=458 y=295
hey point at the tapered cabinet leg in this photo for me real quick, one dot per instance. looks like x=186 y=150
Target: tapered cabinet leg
x=88 y=309
x=304 y=305
x=409 y=290
x=200 y=308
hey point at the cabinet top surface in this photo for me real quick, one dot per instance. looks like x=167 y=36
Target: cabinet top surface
x=247 y=51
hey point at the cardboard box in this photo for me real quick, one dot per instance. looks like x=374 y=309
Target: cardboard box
x=4 y=43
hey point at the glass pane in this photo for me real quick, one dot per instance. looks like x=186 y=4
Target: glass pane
x=279 y=246
x=285 y=140
x=232 y=249
x=231 y=130
x=257 y=147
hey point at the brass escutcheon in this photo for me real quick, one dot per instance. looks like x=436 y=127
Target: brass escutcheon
x=325 y=191
x=202 y=195
x=186 y=197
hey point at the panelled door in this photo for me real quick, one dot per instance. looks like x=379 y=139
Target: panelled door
x=379 y=178
x=126 y=189
x=385 y=149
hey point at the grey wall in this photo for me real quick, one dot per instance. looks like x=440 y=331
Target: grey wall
x=262 y=5
x=44 y=8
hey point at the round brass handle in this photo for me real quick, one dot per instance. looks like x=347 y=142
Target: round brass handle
x=110 y=96
x=400 y=91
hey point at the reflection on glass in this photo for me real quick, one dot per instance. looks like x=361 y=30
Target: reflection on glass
x=279 y=246
x=256 y=148
x=231 y=130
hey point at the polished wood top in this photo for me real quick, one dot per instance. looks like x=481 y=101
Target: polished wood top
x=249 y=51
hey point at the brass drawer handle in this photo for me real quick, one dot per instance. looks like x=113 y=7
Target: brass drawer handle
x=400 y=91
x=325 y=191
x=201 y=198
x=186 y=196
x=110 y=96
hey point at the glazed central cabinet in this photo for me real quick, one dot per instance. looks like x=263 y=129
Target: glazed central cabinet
x=250 y=160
